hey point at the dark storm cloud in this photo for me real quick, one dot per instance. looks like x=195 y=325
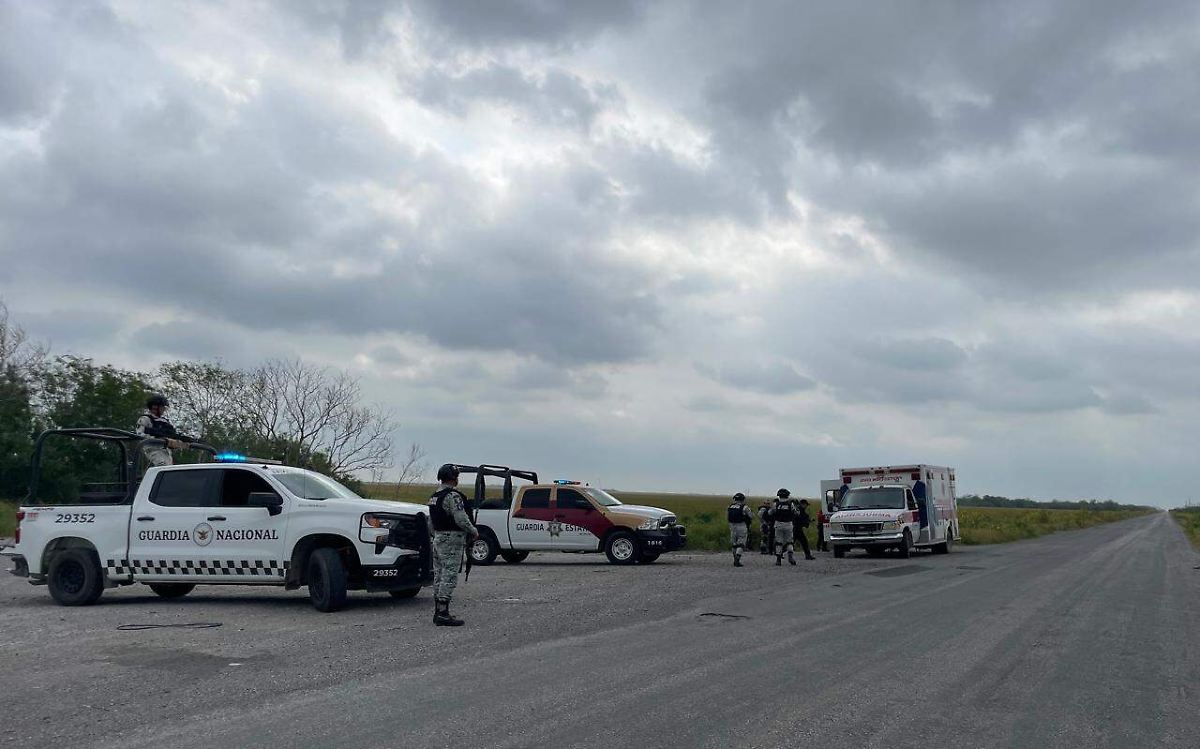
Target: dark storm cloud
x=556 y=97
x=1046 y=145
x=772 y=378
x=163 y=197
x=525 y=21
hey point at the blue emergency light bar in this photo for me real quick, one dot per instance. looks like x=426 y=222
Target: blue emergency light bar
x=565 y=481
x=229 y=458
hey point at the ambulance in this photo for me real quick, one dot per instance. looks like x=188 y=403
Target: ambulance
x=902 y=507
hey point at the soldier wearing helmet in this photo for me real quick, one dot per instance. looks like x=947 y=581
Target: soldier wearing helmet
x=783 y=515
x=739 y=518
x=766 y=529
x=160 y=434
x=451 y=527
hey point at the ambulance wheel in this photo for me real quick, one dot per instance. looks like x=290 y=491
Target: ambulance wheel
x=326 y=580
x=484 y=549
x=622 y=548
x=171 y=590
x=75 y=578
x=945 y=546
x=839 y=552
x=905 y=547
x=649 y=557
x=514 y=557
x=405 y=593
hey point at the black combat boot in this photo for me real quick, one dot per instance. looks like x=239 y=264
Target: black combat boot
x=791 y=558
x=778 y=560
x=441 y=614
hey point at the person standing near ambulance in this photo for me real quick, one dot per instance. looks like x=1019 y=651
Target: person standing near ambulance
x=739 y=518
x=801 y=523
x=452 y=527
x=766 y=544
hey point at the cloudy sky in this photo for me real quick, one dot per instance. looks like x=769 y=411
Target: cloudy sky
x=674 y=246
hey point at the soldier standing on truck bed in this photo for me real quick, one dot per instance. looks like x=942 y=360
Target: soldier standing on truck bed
x=766 y=544
x=451 y=528
x=739 y=518
x=154 y=425
x=783 y=514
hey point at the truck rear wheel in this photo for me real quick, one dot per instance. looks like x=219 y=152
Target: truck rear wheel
x=905 y=547
x=326 y=580
x=514 y=557
x=622 y=548
x=171 y=590
x=75 y=578
x=484 y=550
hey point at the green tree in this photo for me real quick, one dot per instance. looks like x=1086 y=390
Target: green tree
x=16 y=432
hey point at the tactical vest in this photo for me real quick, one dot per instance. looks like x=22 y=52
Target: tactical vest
x=784 y=512
x=438 y=514
x=161 y=426
x=736 y=513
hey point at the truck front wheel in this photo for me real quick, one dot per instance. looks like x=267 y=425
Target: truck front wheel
x=905 y=547
x=326 y=580
x=839 y=551
x=484 y=550
x=622 y=548
x=75 y=578
x=171 y=590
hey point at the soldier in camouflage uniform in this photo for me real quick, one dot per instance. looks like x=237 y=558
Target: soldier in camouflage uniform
x=154 y=426
x=739 y=518
x=766 y=544
x=452 y=527
x=783 y=514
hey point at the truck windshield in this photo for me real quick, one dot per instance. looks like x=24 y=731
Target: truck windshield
x=603 y=498
x=308 y=485
x=874 y=498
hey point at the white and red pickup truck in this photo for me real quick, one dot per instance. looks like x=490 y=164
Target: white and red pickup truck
x=233 y=521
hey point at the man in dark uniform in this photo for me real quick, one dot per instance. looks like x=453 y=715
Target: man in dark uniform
x=452 y=527
x=802 y=521
x=766 y=544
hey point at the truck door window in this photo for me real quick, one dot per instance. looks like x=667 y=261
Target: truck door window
x=536 y=499
x=569 y=499
x=912 y=503
x=237 y=484
x=185 y=489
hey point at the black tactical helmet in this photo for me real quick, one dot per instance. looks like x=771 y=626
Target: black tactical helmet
x=783 y=494
x=157 y=399
x=739 y=497
x=448 y=472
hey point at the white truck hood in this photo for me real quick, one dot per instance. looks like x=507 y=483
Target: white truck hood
x=642 y=511
x=376 y=505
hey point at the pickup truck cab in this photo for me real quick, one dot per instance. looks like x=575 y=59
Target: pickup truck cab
x=233 y=521
x=566 y=516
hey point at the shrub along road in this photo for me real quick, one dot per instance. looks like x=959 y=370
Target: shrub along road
x=1076 y=639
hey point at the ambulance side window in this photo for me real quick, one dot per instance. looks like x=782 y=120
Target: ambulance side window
x=535 y=499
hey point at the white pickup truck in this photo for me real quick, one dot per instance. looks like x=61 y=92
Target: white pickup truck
x=234 y=521
x=565 y=516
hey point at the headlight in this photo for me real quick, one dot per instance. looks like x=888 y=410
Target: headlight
x=654 y=524
x=380 y=521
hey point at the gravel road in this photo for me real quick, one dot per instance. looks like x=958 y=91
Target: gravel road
x=1078 y=639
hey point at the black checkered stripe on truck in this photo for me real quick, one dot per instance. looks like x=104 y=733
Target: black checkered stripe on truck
x=217 y=568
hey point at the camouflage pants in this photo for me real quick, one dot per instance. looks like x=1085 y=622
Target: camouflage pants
x=157 y=455
x=447 y=556
x=739 y=535
x=783 y=537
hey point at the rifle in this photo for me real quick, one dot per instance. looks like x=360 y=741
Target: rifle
x=472 y=509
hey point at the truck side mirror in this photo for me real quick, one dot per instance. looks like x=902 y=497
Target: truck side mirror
x=272 y=502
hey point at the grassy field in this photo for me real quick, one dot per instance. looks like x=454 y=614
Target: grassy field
x=997 y=525
x=1189 y=520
